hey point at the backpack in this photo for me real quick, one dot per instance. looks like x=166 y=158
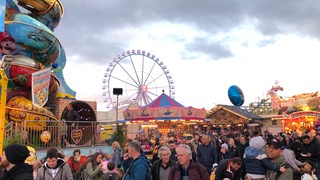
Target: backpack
x=149 y=173
x=111 y=176
x=81 y=174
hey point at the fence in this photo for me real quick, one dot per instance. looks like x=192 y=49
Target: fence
x=60 y=134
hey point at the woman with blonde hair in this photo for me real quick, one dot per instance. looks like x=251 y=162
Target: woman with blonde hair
x=117 y=151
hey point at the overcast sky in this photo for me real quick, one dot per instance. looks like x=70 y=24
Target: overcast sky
x=208 y=45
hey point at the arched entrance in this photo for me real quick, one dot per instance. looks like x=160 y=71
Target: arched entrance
x=86 y=113
x=86 y=126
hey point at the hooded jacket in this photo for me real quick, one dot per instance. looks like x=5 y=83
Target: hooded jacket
x=63 y=171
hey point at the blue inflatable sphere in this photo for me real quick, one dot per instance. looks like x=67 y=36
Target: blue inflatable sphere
x=54 y=65
x=236 y=95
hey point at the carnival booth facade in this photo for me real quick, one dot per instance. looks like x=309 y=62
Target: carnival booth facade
x=297 y=113
x=162 y=115
x=233 y=118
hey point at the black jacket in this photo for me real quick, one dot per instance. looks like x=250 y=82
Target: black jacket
x=222 y=172
x=155 y=169
x=21 y=171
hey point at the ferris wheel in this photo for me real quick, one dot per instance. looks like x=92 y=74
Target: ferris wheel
x=142 y=77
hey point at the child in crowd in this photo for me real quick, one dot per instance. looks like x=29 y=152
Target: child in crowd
x=256 y=160
x=111 y=173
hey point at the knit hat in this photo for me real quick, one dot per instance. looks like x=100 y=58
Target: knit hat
x=257 y=142
x=16 y=153
x=224 y=145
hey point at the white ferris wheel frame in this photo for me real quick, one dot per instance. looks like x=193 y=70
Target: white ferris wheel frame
x=136 y=79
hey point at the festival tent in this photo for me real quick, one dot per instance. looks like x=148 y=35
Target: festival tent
x=164 y=108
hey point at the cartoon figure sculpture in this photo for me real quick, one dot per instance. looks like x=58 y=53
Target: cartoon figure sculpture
x=7 y=43
x=30 y=41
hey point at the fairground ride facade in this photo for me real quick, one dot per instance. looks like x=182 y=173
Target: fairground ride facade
x=299 y=113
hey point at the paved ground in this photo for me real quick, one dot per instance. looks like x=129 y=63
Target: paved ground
x=84 y=150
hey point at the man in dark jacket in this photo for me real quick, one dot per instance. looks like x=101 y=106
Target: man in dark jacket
x=207 y=153
x=187 y=169
x=161 y=167
x=12 y=160
x=172 y=146
x=229 y=169
x=71 y=115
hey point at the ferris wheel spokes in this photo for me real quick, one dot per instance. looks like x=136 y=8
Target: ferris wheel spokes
x=126 y=82
x=154 y=80
x=135 y=71
x=142 y=69
x=137 y=83
x=149 y=73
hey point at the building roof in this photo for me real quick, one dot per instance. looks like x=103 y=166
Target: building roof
x=238 y=110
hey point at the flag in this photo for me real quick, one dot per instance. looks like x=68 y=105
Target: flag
x=40 y=86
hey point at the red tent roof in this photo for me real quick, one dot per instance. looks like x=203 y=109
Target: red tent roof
x=164 y=101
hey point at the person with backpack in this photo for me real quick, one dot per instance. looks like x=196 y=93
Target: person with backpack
x=186 y=168
x=140 y=167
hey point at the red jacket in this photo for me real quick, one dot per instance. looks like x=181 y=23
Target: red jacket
x=74 y=165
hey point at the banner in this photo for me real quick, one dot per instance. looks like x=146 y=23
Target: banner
x=2 y=14
x=40 y=86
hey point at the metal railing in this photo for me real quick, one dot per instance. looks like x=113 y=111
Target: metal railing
x=60 y=134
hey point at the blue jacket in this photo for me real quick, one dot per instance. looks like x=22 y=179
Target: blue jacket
x=256 y=161
x=139 y=169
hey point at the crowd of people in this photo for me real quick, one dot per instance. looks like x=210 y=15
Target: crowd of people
x=208 y=155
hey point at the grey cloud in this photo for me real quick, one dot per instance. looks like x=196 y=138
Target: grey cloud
x=265 y=42
x=216 y=50
x=84 y=20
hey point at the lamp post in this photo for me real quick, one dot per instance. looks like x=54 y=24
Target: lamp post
x=117 y=92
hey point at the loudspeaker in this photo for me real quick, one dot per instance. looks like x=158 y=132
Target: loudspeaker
x=117 y=91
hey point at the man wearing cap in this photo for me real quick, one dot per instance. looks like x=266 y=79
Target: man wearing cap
x=256 y=160
x=12 y=160
x=274 y=153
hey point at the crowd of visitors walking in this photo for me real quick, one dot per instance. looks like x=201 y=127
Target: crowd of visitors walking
x=208 y=155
